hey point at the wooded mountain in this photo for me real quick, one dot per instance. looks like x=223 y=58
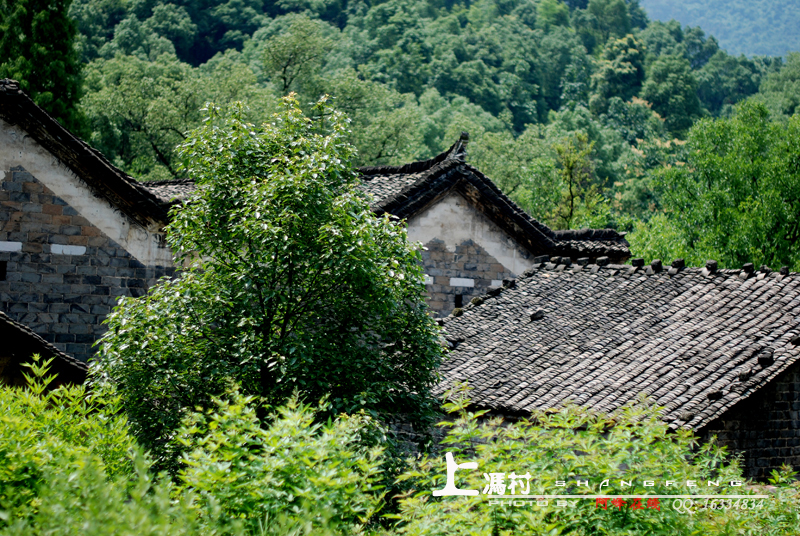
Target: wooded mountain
x=750 y=27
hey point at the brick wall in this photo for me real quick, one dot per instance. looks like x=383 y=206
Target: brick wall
x=62 y=274
x=470 y=267
x=765 y=427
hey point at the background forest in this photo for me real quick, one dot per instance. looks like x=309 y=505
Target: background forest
x=584 y=111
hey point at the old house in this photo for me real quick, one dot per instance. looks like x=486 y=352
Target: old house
x=474 y=235
x=75 y=232
x=718 y=349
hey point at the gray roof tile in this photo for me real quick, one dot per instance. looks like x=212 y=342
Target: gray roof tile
x=690 y=341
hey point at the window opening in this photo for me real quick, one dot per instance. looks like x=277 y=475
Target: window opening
x=459 y=300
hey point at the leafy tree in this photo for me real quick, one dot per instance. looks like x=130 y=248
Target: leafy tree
x=580 y=201
x=780 y=90
x=296 y=52
x=551 y=13
x=384 y=123
x=672 y=90
x=610 y=18
x=698 y=49
x=726 y=80
x=619 y=73
x=140 y=110
x=524 y=168
x=634 y=120
x=292 y=284
x=96 y=21
x=733 y=198
x=37 y=49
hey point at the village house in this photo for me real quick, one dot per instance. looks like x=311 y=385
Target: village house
x=76 y=233
x=718 y=349
x=474 y=236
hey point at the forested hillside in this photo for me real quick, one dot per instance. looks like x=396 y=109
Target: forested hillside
x=750 y=27
x=573 y=107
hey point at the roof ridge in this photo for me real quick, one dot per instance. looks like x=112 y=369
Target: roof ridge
x=167 y=182
x=555 y=235
x=457 y=151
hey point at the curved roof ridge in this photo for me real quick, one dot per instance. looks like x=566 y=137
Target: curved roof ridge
x=457 y=151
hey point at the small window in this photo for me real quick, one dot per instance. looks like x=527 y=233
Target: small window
x=3 y=270
x=459 y=300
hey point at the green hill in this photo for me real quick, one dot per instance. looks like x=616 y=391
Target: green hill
x=751 y=27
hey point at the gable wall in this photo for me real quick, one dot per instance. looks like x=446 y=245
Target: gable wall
x=63 y=272
x=765 y=427
x=466 y=252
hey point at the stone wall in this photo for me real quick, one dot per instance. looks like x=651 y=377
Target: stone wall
x=466 y=252
x=765 y=427
x=455 y=277
x=63 y=274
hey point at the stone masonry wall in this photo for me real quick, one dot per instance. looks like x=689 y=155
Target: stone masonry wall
x=467 y=272
x=59 y=274
x=765 y=427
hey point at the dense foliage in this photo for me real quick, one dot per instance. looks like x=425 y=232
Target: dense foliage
x=290 y=284
x=36 y=48
x=295 y=477
x=574 y=444
x=70 y=467
x=751 y=27
x=735 y=198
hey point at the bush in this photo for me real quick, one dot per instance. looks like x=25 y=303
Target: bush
x=293 y=470
x=573 y=444
x=48 y=433
x=291 y=284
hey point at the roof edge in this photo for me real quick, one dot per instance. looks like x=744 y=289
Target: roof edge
x=89 y=164
x=67 y=368
x=457 y=151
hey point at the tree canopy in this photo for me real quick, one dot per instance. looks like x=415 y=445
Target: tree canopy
x=36 y=49
x=291 y=285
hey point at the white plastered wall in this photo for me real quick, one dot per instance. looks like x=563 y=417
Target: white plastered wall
x=19 y=149
x=454 y=220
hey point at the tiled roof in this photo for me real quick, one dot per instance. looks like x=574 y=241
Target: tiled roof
x=87 y=163
x=19 y=343
x=697 y=341
x=405 y=190
x=168 y=191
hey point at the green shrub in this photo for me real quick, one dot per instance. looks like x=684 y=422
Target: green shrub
x=46 y=433
x=319 y=474
x=574 y=444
